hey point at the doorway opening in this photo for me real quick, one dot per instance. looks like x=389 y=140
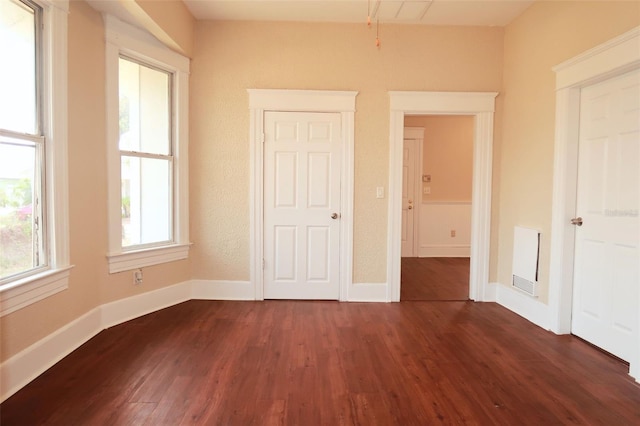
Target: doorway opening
x=479 y=105
x=436 y=207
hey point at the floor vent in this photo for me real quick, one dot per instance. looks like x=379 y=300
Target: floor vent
x=526 y=256
x=522 y=284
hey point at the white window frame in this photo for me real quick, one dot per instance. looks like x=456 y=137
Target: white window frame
x=24 y=291
x=131 y=42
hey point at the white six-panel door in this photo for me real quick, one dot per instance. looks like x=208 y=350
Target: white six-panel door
x=301 y=205
x=409 y=166
x=606 y=267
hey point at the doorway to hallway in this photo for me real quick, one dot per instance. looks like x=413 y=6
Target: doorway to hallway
x=434 y=278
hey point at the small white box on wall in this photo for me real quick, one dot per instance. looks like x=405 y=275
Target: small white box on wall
x=526 y=259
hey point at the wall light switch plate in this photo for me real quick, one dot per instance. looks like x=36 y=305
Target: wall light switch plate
x=380 y=192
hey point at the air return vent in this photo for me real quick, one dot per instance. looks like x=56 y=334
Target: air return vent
x=526 y=251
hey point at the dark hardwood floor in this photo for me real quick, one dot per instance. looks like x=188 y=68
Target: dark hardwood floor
x=434 y=278
x=329 y=363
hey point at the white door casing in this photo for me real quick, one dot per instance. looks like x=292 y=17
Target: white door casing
x=301 y=205
x=342 y=102
x=411 y=171
x=612 y=58
x=607 y=252
x=481 y=106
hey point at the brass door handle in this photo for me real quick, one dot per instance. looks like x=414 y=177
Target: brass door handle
x=410 y=207
x=576 y=221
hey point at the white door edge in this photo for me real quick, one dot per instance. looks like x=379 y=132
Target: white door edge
x=417 y=133
x=481 y=106
x=610 y=59
x=261 y=100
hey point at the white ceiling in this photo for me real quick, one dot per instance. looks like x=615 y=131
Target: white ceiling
x=427 y=12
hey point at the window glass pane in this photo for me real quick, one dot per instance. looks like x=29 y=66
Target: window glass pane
x=18 y=109
x=19 y=236
x=144 y=108
x=146 y=200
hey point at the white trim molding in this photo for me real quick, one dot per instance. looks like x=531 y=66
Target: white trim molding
x=368 y=292
x=29 y=290
x=479 y=105
x=613 y=58
x=127 y=261
x=22 y=292
x=522 y=304
x=343 y=102
x=123 y=310
x=123 y=38
x=25 y=366
x=222 y=290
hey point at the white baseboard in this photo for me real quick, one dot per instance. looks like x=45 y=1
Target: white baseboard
x=368 y=292
x=444 y=251
x=123 y=310
x=222 y=290
x=22 y=368
x=523 y=305
x=490 y=292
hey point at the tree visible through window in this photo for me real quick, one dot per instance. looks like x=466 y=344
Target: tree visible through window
x=22 y=246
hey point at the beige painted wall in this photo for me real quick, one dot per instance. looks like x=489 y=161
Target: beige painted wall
x=90 y=284
x=230 y=57
x=169 y=18
x=547 y=34
x=447 y=155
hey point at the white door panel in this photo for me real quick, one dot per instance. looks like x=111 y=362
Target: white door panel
x=302 y=153
x=607 y=251
x=409 y=200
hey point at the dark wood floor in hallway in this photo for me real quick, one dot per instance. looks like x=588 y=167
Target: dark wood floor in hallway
x=434 y=278
x=329 y=363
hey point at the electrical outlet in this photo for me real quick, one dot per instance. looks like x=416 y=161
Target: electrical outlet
x=453 y=233
x=426 y=190
x=137 y=277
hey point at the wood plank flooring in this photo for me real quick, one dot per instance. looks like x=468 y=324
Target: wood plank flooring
x=434 y=278
x=329 y=363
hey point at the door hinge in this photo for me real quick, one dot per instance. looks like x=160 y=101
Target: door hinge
x=263 y=138
x=263 y=263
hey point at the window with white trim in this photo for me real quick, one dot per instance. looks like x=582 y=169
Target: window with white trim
x=146 y=160
x=34 y=254
x=21 y=141
x=147 y=101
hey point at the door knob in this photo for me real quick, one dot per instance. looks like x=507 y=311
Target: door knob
x=334 y=215
x=576 y=221
x=410 y=207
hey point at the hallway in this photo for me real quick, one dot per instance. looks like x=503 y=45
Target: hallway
x=434 y=278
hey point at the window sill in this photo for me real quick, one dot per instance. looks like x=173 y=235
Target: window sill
x=127 y=261
x=24 y=292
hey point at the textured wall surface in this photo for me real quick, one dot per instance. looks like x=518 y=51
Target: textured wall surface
x=447 y=155
x=547 y=34
x=174 y=19
x=90 y=283
x=230 y=57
